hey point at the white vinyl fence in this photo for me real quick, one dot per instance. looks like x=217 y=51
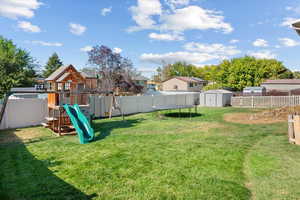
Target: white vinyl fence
x=265 y=101
x=31 y=112
x=100 y=105
x=24 y=113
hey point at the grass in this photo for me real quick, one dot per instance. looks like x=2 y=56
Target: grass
x=150 y=157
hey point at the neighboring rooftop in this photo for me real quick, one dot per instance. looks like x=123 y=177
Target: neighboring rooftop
x=140 y=78
x=189 y=79
x=88 y=74
x=282 y=81
x=23 y=89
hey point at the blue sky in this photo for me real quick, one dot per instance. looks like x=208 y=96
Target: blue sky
x=152 y=32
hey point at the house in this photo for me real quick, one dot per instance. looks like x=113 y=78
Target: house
x=254 y=91
x=182 y=83
x=140 y=81
x=153 y=85
x=282 y=85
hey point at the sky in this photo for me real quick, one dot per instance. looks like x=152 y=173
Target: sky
x=154 y=32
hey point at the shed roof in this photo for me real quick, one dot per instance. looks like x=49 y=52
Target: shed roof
x=282 y=81
x=254 y=88
x=220 y=91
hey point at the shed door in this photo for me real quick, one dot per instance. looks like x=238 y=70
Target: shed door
x=211 y=100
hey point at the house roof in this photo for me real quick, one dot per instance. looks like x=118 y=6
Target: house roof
x=88 y=75
x=282 y=81
x=189 y=79
x=139 y=78
x=56 y=73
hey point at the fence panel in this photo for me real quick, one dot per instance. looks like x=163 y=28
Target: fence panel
x=24 y=112
x=265 y=101
x=138 y=104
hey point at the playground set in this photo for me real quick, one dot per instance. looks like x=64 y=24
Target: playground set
x=68 y=102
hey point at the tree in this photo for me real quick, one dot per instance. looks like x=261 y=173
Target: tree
x=239 y=73
x=296 y=75
x=53 y=64
x=16 y=67
x=114 y=71
x=180 y=69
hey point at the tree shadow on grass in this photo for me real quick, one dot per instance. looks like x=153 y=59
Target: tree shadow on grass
x=222 y=189
x=105 y=128
x=22 y=176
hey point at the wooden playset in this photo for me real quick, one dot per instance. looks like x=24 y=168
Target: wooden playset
x=67 y=86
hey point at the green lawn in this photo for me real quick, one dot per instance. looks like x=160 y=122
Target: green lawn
x=150 y=157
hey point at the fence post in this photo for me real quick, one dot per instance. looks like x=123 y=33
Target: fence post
x=291 y=134
x=252 y=101
x=297 y=129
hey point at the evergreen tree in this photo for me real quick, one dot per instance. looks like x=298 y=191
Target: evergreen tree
x=53 y=64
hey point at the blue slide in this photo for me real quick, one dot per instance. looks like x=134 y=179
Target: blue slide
x=80 y=123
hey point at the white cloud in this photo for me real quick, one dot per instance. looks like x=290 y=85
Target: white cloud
x=176 y=3
x=117 y=50
x=28 y=27
x=105 y=11
x=166 y=37
x=77 y=29
x=173 y=57
x=42 y=43
x=295 y=9
x=18 y=8
x=288 y=21
x=179 y=20
x=234 y=41
x=195 y=53
x=287 y=42
x=215 y=49
x=86 y=48
x=143 y=12
x=260 y=43
x=194 y=18
x=265 y=54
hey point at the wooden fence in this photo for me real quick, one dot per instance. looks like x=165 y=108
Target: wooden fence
x=265 y=101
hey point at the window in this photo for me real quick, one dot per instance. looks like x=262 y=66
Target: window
x=67 y=85
x=59 y=86
x=191 y=85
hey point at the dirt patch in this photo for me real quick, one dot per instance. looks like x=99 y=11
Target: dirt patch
x=20 y=135
x=265 y=117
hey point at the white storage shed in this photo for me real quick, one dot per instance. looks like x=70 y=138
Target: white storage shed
x=216 y=98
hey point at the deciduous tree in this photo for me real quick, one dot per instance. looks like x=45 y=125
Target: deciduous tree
x=16 y=67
